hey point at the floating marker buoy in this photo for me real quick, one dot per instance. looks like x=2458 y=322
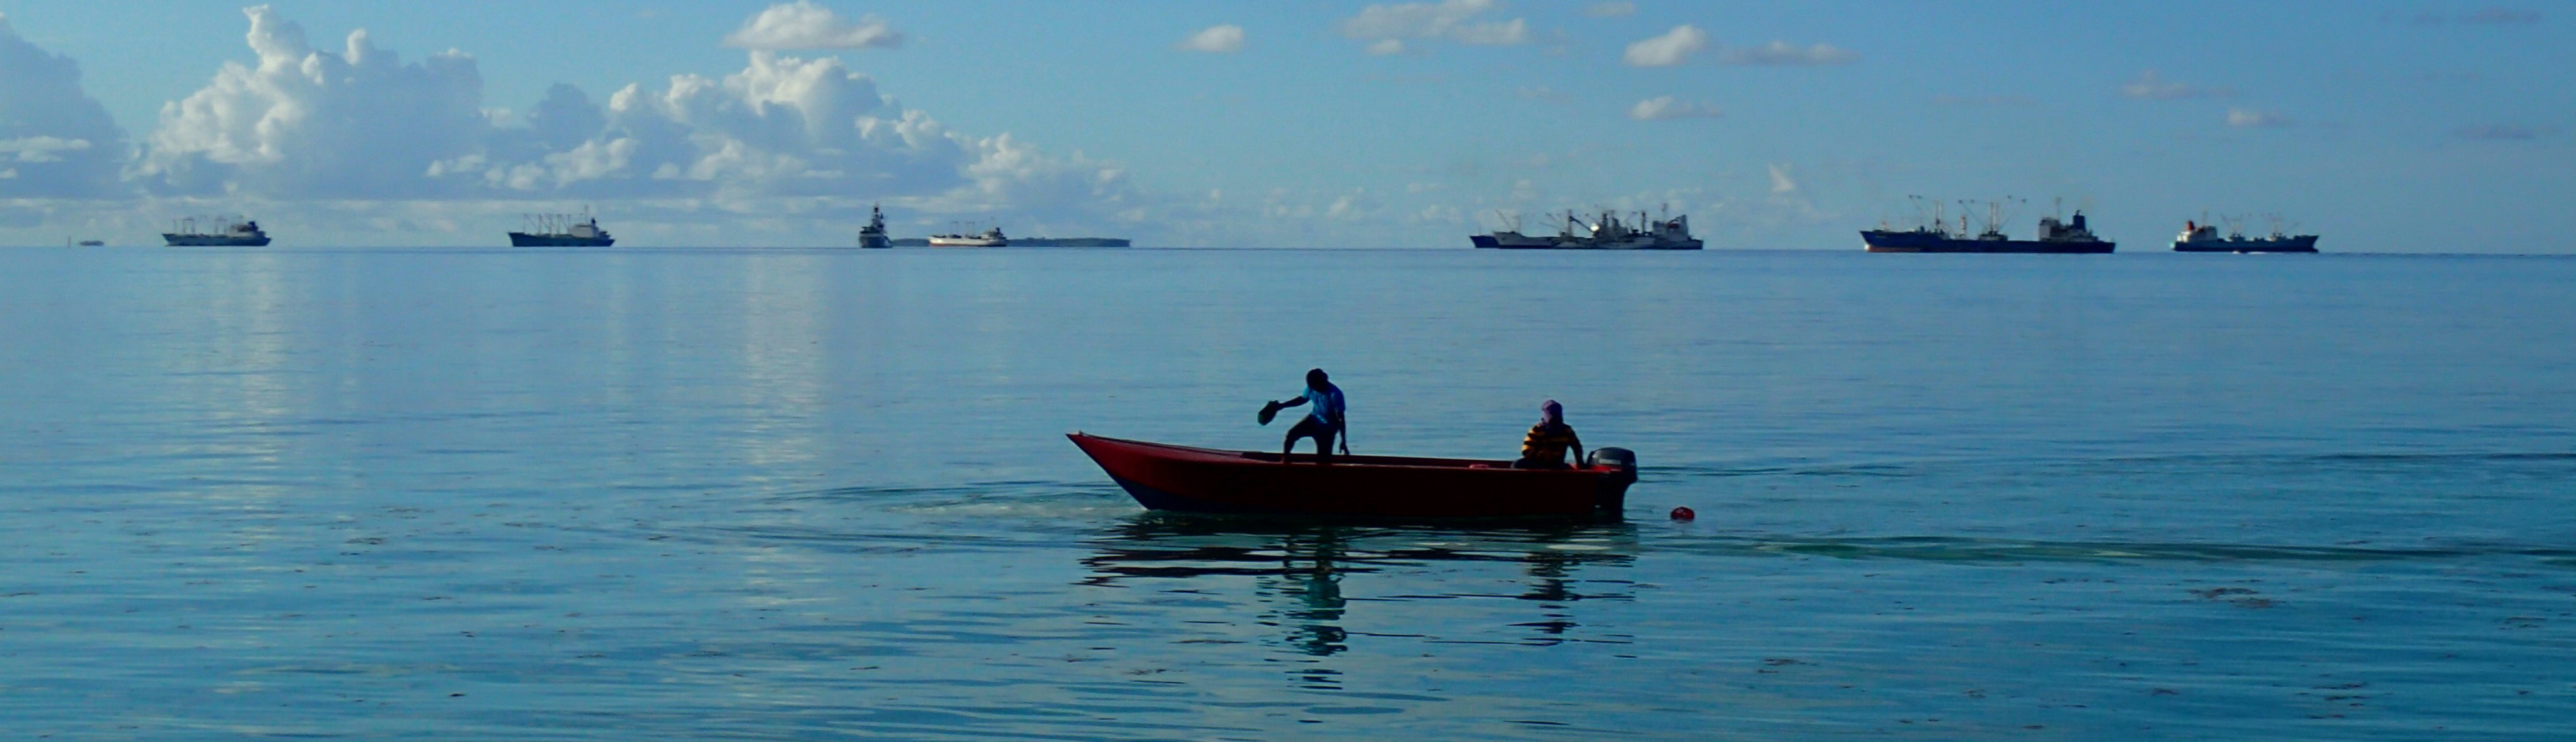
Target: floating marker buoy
x=1683 y=513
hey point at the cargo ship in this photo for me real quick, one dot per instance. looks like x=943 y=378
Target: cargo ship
x=190 y=232
x=2199 y=237
x=988 y=238
x=2055 y=237
x=562 y=230
x=874 y=234
x=1604 y=232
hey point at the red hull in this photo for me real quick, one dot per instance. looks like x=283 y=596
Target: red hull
x=1202 y=480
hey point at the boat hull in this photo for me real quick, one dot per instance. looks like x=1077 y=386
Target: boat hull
x=1890 y=241
x=967 y=242
x=2300 y=243
x=1517 y=242
x=523 y=239
x=213 y=240
x=1201 y=480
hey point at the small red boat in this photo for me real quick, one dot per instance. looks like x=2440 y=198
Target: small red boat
x=1205 y=480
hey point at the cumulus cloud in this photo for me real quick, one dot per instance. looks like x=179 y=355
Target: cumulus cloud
x=356 y=124
x=1785 y=54
x=1664 y=108
x=1667 y=49
x=783 y=134
x=1621 y=9
x=2247 y=117
x=804 y=25
x=55 y=140
x=1386 y=26
x=1226 y=39
x=2152 y=86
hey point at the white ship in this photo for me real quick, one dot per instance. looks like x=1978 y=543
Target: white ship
x=988 y=238
x=1603 y=232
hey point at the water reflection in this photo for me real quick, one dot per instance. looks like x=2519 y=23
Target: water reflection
x=1298 y=570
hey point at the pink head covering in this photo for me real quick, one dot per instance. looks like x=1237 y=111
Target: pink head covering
x=1551 y=412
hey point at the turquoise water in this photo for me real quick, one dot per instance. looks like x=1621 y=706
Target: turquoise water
x=752 y=494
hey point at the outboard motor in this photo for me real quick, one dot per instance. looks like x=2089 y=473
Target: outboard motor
x=1613 y=495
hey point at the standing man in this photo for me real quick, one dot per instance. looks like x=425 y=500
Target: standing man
x=1323 y=420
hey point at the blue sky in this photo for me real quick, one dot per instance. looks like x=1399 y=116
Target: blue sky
x=2400 y=126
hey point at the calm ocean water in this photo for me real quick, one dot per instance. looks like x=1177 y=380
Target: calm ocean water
x=781 y=494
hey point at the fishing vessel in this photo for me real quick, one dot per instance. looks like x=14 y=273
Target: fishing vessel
x=1205 y=480
x=988 y=238
x=1606 y=231
x=2200 y=236
x=874 y=234
x=2056 y=236
x=223 y=231
x=562 y=230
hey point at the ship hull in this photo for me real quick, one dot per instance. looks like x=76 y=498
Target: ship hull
x=2301 y=243
x=1881 y=241
x=213 y=240
x=874 y=241
x=967 y=242
x=1492 y=242
x=523 y=239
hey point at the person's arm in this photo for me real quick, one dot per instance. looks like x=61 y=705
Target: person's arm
x=1292 y=402
x=1577 y=442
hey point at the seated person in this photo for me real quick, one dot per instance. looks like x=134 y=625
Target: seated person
x=1546 y=445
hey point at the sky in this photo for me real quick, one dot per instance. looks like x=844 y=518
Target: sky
x=2384 y=126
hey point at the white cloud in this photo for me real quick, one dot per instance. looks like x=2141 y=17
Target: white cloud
x=1780 y=180
x=41 y=149
x=804 y=25
x=1784 y=54
x=2152 y=86
x=1668 y=49
x=1665 y=108
x=1226 y=39
x=2246 y=117
x=357 y=124
x=1620 y=9
x=782 y=136
x=58 y=141
x=1455 y=20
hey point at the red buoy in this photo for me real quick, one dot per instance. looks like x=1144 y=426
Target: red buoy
x=1683 y=513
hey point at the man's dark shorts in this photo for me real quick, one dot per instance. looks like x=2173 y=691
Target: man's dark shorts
x=1309 y=427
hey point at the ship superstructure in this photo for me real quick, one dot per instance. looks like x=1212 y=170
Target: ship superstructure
x=2055 y=235
x=562 y=230
x=1607 y=230
x=2200 y=236
x=226 y=231
x=874 y=234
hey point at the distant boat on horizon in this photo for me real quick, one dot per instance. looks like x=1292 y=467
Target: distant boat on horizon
x=992 y=237
x=2055 y=237
x=562 y=230
x=233 y=232
x=873 y=236
x=1604 y=232
x=2200 y=237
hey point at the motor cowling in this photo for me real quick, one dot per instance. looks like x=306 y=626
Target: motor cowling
x=1622 y=462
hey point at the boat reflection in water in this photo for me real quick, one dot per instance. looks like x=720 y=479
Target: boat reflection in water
x=1298 y=570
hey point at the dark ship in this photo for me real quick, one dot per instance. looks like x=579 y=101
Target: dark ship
x=2199 y=237
x=2055 y=237
x=874 y=234
x=562 y=230
x=1605 y=232
x=233 y=233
